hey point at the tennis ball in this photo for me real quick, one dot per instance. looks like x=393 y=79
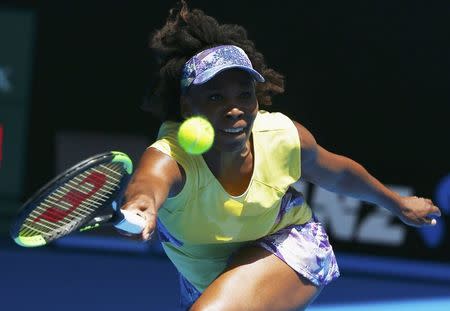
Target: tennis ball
x=196 y=135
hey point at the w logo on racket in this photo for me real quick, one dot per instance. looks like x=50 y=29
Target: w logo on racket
x=74 y=198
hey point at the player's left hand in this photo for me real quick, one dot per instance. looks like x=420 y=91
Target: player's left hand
x=417 y=212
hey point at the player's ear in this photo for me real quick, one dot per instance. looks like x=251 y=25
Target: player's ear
x=185 y=106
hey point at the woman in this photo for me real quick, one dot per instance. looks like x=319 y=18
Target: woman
x=238 y=233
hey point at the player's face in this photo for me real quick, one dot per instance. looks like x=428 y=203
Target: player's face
x=229 y=102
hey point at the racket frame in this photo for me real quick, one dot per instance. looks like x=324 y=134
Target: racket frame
x=106 y=214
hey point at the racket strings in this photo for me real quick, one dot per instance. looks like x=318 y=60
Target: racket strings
x=72 y=202
x=65 y=191
x=67 y=221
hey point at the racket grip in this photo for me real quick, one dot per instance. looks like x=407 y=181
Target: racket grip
x=131 y=222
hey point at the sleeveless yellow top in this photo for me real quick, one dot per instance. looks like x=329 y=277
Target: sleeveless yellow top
x=203 y=225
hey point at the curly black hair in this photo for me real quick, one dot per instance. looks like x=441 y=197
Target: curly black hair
x=185 y=34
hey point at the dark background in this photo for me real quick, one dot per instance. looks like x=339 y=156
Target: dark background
x=368 y=78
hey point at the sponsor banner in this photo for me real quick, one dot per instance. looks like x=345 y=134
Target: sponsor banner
x=359 y=227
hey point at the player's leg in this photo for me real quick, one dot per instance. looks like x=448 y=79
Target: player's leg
x=283 y=271
x=258 y=280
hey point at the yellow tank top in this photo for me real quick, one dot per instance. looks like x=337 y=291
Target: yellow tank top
x=202 y=225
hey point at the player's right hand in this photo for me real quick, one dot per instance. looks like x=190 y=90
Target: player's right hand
x=143 y=206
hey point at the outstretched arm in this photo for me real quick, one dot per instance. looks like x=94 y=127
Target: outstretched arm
x=342 y=175
x=157 y=177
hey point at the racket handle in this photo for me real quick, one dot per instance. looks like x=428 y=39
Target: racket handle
x=131 y=222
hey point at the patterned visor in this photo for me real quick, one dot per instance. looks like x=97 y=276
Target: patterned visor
x=205 y=65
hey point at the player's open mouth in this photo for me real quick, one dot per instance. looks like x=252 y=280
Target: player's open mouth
x=234 y=131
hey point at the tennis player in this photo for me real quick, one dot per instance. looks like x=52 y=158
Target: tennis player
x=241 y=237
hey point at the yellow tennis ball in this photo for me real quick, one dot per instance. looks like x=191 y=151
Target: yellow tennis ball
x=196 y=135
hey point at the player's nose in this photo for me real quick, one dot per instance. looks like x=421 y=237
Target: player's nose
x=234 y=114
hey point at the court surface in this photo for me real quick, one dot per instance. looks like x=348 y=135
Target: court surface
x=74 y=279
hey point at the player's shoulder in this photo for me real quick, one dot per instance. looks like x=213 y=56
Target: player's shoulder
x=270 y=121
x=167 y=143
x=168 y=129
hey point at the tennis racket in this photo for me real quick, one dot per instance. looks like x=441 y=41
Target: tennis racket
x=84 y=197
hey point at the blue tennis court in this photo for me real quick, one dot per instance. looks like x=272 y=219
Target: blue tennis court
x=71 y=278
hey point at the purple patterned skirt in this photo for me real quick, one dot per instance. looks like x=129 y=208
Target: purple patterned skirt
x=306 y=249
